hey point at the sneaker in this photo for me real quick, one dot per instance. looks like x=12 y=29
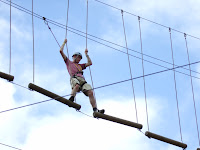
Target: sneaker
x=71 y=99
x=100 y=111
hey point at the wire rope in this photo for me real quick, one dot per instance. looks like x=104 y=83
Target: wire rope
x=10 y=146
x=146 y=19
x=129 y=66
x=143 y=72
x=33 y=45
x=177 y=102
x=64 y=27
x=46 y=22
x=51 y=31
x=154 y=73
x=86 y=34
x=10 y=38
x=192 y=88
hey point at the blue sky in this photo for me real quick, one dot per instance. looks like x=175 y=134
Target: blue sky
x=52 y=125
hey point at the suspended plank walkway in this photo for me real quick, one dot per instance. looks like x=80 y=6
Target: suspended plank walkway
x=117 y=120
x=164 y=139
x=6 y=76
x=54 y=96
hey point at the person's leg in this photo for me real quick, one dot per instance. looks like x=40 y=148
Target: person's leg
x=93 y=102
x=92 y=99
x=73 y=93
x=87 y=90
x=75 y=88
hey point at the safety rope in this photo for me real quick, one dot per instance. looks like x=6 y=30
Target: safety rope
x=159 y=24
x=75 y=31
x=86 y=34
x=192 y=87
x=175 y=85
x=33 y=45
x=154 y=73
x=85 y=114
x=117 y=49
x=143 y=72
x=129 y=66
x=10 y=146
x=10 y=39
x=66 y=28
x=45 y=21
x=67 y=20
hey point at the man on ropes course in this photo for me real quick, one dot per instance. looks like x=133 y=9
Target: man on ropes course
x=77 y=79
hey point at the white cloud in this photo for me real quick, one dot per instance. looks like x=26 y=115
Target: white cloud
x=68 y=129
x=72 y=131
x=175 y=14
x=10 y=124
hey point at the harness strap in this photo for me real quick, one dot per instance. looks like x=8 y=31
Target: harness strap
x=79 y=69
x=81 y=85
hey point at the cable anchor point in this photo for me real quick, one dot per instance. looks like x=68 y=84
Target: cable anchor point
x=185 y=35
x=139 y=18
x=45 y=21
x=169 y=29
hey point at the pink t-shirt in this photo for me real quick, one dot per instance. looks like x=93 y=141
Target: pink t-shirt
x=73 y=68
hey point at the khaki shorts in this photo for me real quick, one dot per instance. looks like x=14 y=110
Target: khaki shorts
x=80 y=81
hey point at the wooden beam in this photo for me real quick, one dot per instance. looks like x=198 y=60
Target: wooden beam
x=164 y=139
x=6 y=76
x=117 y=120
x=198 y=148
x=54 y=96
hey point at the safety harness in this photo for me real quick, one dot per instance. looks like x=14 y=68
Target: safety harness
x=78 y=72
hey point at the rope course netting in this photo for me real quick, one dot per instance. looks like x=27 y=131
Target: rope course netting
x=174 y=67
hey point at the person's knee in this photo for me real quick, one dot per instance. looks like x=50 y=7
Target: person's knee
x=77 y=86
x=90 y=93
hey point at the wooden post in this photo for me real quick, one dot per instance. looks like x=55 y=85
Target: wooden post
x=164 y=139
x=6 y=76
x=54 y=96
x=118 y=120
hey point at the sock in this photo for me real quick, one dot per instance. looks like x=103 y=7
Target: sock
x=94 y=109
x=71 y=98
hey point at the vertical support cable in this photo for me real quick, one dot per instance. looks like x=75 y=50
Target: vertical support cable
x=192 y=87
x=175 y=85
x=143 y=72
x=67 y=42
x=10 y=40
x=86 y=23
x=33 y=45
x=67 y=27
x=129 y=65
x=66 y=35
x=86 y=48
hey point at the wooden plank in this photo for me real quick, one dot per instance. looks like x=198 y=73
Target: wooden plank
x=6 y=76
x=117 y=120
x=54 y=96
x=164 y=139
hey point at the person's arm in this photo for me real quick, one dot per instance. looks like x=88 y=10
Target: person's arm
x=89 y=62
x=61 y=50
